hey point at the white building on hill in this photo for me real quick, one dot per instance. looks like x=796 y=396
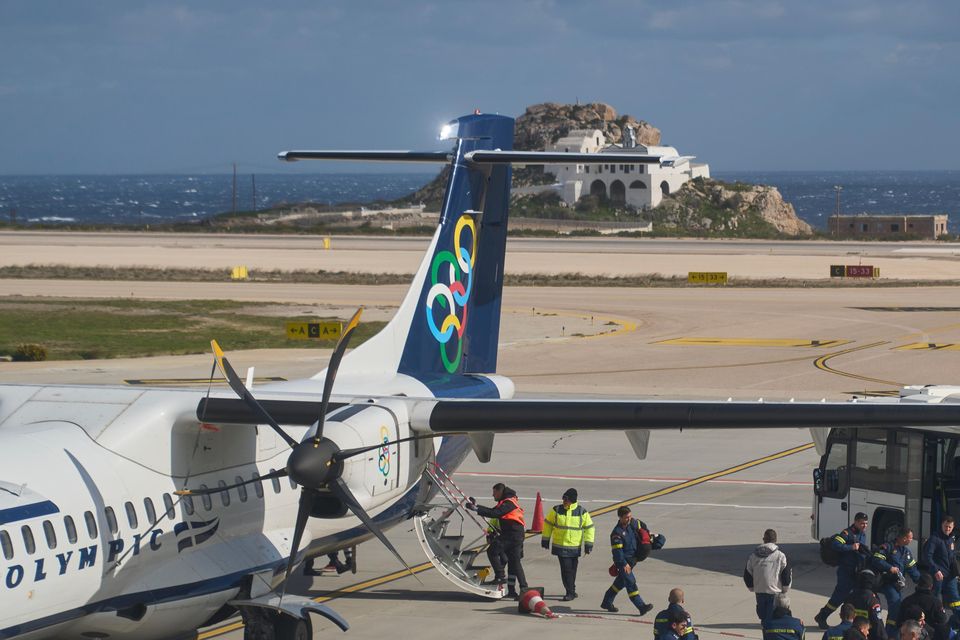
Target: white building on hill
x=637 y=185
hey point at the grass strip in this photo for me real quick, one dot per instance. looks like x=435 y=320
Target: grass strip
x=149 y=274
x=75 y=329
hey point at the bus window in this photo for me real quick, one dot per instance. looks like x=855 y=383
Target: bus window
x=879 y=463
x=835 y=471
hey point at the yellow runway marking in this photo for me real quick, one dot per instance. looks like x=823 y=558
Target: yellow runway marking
x=396 y=575
x=821 y=363
x=754 y=342
x=928 y=346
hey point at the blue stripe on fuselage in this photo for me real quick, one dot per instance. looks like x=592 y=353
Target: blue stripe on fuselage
x=35 y=510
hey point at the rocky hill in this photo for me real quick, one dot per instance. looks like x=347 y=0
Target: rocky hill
x=542 y=125
x=705 y=206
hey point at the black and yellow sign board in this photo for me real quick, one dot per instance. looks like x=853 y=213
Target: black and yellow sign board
x=707 y=277
x=314 y=330
x=854 y=271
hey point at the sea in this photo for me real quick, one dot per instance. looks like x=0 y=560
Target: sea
x=150 y=199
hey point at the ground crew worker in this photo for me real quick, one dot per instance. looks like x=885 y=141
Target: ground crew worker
x=568 y=526
x=661 y=623
x=866 y=603
x=847 y=614
x=512 y=534
x=892 y=560
x=851 y=543
x=767 y=573
x=781 y=625
x=939 y=556
x=625 y=543
x=493 y=532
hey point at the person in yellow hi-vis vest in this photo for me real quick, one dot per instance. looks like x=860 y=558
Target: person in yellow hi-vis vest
x=569 y=527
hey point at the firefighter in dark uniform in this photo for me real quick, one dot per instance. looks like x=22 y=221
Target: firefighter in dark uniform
x=847 y=614
x=851 y=544
x=893 y=560
x=940 y=556
x=661 y=623
x=924 y=600
x=512 y=534
x=781 y=625
x=627 y=552
x=675 y=626
x=866 y=604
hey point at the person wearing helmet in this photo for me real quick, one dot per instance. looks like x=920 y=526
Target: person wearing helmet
x=866 y=603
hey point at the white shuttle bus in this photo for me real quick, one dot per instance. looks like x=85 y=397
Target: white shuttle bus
x=901 y=476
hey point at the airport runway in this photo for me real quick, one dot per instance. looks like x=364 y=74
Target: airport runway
x=591 y=256
x=711 y=493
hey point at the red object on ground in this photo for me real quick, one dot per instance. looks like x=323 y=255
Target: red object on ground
x=533 y=602
x=537 y=526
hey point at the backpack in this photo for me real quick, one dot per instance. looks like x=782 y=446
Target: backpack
x=644 y=543
x=828 y=555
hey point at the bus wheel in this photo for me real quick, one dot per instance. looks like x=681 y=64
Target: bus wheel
x=887 y=526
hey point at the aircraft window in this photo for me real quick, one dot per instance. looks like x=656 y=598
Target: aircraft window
x=91 y=524
x=168 y=505
x=50 y=534
x=131 y=514
x=111 y=520
x=225 y=494
x=257 y=486
x=28 y=539
x=205 y=498
x=187 y=502
x=276 y=483
x=6 y=544
x=241 y=490
x=71 y=529
x=151 y=512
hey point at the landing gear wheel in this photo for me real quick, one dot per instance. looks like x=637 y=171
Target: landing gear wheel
x=288 y=628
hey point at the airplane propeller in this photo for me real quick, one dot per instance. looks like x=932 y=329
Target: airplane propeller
x=316 y=463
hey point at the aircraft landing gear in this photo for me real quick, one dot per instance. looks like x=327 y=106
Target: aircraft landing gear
x=262 y=624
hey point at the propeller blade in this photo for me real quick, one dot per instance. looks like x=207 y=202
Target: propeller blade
x=343 y=454
x=280 y=473
x=332 y=370
x=340 y=489
x=238 y=387
x=303 y=512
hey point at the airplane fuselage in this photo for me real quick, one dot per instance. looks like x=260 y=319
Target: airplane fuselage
x=95 y=539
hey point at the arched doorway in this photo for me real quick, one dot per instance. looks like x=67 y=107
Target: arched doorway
x=665 y=188
x=618 y=192
x=598 y=188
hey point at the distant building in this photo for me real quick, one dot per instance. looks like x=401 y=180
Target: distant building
x=888 y=226
x=637 y=185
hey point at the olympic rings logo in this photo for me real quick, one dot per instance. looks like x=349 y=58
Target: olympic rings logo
x=383 y=459
x=451 y=280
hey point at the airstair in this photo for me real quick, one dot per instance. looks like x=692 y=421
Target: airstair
x=452 y=537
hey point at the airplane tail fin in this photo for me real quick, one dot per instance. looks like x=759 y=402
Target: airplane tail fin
x=449 y=322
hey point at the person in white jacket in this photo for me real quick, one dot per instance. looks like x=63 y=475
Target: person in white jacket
x=767 y=574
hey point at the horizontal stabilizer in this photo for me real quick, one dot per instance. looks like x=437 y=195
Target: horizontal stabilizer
x=368 y=156
x=557 y=157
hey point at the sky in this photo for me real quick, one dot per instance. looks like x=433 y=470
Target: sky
x=130 y=86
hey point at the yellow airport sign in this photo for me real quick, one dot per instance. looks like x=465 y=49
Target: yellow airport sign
x=239 y=273
x=928 y=346
x=707 y=277
x=314 y=330
x=754 y=342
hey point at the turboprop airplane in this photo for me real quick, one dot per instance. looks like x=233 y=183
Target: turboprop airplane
x=147 y=513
